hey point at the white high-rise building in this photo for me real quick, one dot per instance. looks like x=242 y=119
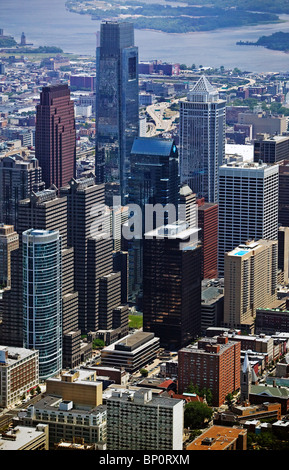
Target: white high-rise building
x=138 y=421
x=248 y=205
x=202 y=139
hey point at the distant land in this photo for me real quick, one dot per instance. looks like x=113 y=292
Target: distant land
x=173 y=19
x=277 y=41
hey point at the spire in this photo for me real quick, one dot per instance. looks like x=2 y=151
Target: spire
x=246 y=364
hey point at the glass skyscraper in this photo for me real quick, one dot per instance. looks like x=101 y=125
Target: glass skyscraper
x=202 y=139
x=117 y=108
x=42 y=298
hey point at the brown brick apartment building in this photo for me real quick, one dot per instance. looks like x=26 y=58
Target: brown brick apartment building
x=212 y=363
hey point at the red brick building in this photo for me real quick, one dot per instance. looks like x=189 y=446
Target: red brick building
x=213 y=363
x=208 y=223
x=55 y=136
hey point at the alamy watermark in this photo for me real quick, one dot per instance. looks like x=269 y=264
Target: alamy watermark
x=132 y=222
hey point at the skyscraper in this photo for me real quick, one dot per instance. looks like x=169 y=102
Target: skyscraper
x=172 y=285
x=202 y=139
x=42 y=298
x=208 y=223
x=117 y=109
x=19 y=176
x=85 y=199
x=9 y=241
x=248 y=205
x=250 y=282
x=55 y=135
x=154 y=181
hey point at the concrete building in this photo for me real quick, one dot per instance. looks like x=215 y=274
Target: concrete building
x=264 y=124
x=67 y=421
x=138 y=421
x=271 y=149
x=212 y=307
x=19 y=373
x=132 y=352
x=202 y=139
x=248 y=205
x=25 y=438
x=250 y=282
x=9 y=241
x=80 y=386
x=220 y=438
x=19 y=176
x=213 y=363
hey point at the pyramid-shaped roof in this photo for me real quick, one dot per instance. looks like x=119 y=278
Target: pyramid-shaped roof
x=203 y=86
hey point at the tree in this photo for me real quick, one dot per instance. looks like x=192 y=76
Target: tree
x=197 y=414
x=229 y=399
x=98 y=343
x=144 y=372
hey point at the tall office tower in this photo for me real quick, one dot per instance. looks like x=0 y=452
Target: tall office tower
x=154 y=181
x=85 y=200
x=271 y=149
x=55 y=135
x=42 y=298
x=19 y=176
x=117 y=108
x=250 y=282
x=172 y=285
x=283 y=211
x=248 y=205
x=208 y=223
x=188 y=205
x=202 y=139
x=138 y=421
x=9 y=241
x=44 y=210
x=106 y=314
x=214 y=363
x=283 y=253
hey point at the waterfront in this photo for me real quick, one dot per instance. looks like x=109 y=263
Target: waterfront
x=49 y=23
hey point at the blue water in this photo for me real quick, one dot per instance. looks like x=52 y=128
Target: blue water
x=241 y=253
x=47 y=22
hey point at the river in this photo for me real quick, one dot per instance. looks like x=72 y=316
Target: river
x=49 y=23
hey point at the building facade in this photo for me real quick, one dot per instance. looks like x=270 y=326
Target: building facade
x=202 y=139
x=19 y=373
x=42 y=298
x=248 y=205
x=172 y=285
x=137 y=421
x=214 y=363
x=250 y=282
x=117 y=108
x=55 y=135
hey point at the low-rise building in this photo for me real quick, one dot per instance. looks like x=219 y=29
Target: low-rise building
x=68 y=421
x=220 y=438
x=131 y=352
x=19 y=373
x=25 y=438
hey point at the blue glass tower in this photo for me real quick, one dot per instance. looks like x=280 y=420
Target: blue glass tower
x=117 y=105
x=42 y=298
